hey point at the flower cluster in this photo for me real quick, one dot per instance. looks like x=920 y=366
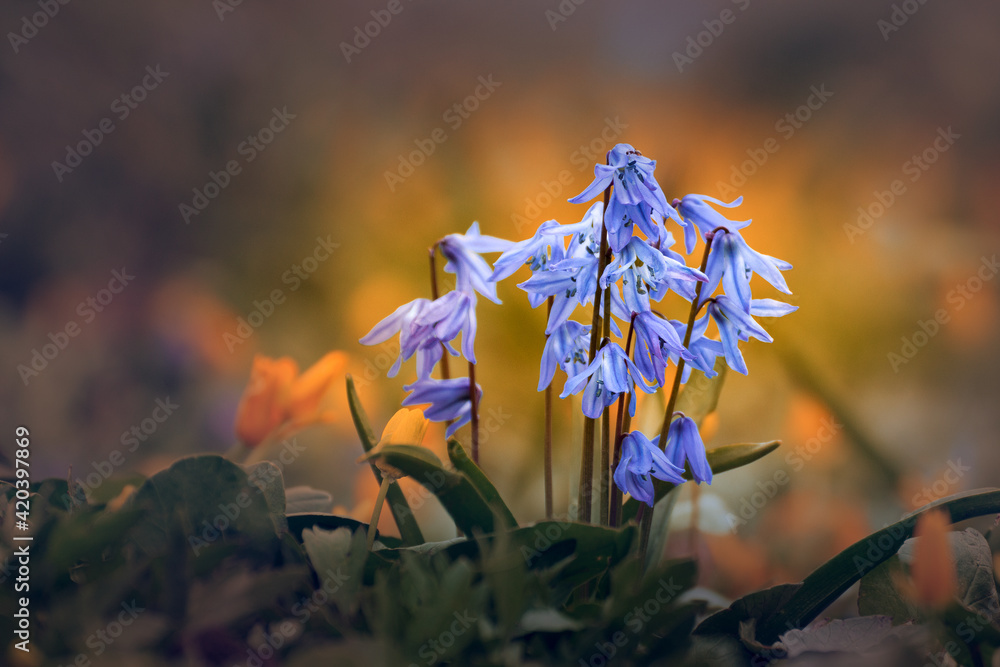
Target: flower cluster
x=640 y=268
x=621 y=254
x=427 y=328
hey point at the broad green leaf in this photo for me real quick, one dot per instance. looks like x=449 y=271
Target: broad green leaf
x=838 y=574
x=303 y=499
x=467 y=467
x=270 y=483
x=720 y=459
x=203 y=500
x=974 y=568
x=878 y=596
x=467 y=507
x=395 y=499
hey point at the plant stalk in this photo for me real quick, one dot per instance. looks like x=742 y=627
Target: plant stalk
x=474 y=423
x=548 y=441
x=377 y=510
x=587 y=464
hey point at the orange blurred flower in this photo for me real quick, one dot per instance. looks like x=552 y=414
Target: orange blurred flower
x=278 y=400
x=933 y=568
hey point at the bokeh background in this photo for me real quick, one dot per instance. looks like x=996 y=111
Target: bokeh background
x=700 y=86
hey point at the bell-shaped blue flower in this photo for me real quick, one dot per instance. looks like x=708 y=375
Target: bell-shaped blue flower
x=684 y=445
x=640 y=460
x=567 y=348
x=732 y=262
x=734 y=325
x=654 y=336
x=547 y=245
x=471 y=271
x=644 y=268
x=700 y=217
x=632 y=174
x=608 y=376
x=704 y=350
x=424 y=326
x=448 y=399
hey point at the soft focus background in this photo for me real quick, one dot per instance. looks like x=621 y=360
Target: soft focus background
x=704 y=88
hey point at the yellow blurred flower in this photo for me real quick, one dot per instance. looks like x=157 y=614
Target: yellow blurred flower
x=278 y=400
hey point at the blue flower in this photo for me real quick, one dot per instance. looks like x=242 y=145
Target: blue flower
x=402 y=321
x=549 y=239
x=424 y=326
x=640 y=459
x=567 y=348
x=700 y=217
x=734 y=325
x=704 y=351
x=733 y=263
x=653 y=336
x=471 y=271
x=684 y=445
x=632 y=174
x=608 y=376
x=622 y=219
x=644 y=268
x=446 y=317
x=571 y=282
x=449 y=399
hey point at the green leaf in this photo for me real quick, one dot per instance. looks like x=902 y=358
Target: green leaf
x=659 y=529
x=838 y=574
x=303 y=499
x=269 y=481
x=338 y=558
x=467 y=507
x=409 y=530
x=720 y=459
x=755 y=606
x=204 y=500
x=878 y=596
x=483 y=485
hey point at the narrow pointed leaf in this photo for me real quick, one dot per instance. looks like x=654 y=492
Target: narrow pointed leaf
x=830 y=580
x=409 y=530
x=457 y=494
x=467 y=467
